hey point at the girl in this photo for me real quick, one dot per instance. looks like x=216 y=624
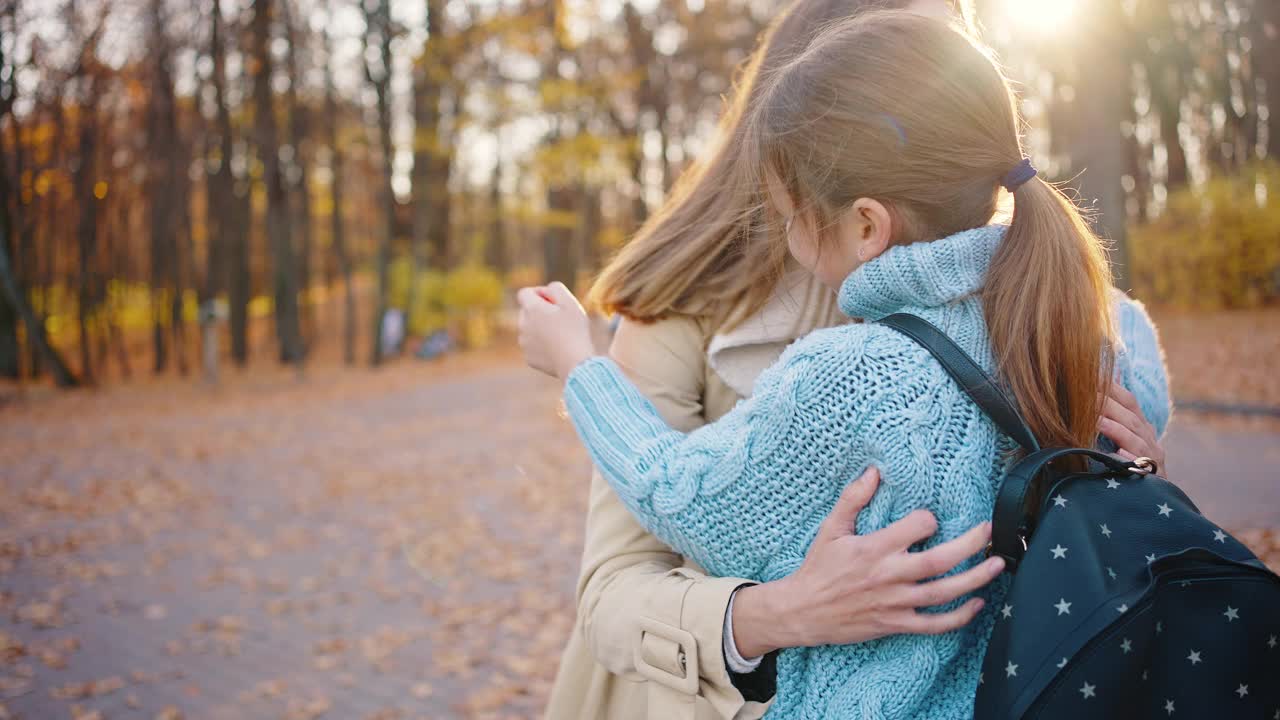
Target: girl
x=893 y=215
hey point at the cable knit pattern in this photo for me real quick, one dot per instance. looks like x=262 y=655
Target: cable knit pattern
x=745 y=495
x=1140 y=364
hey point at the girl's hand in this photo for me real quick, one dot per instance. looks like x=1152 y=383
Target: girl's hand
x=1124 y=424
x=554 y=333
x=854 y=588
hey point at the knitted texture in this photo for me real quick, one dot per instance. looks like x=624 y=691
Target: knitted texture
x=744 y=496
x=1140 y=364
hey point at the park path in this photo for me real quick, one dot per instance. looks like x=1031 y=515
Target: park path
x=399 y=544
x=1233 y=475
x=354 y=546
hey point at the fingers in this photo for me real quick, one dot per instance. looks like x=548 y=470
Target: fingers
x=1122 y=407
x=937 y=623
x=1111 y=408
x=530 y=297
x=1122 y=395
x=1123 y=437
x=561 y=295
x=916 y=526
x=840 y=521
x=941 y=559
x=1156 y=452
x=944 y=590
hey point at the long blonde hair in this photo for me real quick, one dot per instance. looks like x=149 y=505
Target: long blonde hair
x=703 y=253
x=928 y=126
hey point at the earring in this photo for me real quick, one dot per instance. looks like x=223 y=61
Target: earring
x=786 y=227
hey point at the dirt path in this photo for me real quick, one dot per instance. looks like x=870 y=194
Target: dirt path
x=344 y=548
x=357 y=545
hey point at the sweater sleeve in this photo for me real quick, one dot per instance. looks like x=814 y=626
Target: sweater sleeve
x=685 y=489
x=629 y=576
x=1140 y=363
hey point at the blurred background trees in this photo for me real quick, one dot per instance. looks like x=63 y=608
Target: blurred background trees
x=300 y=167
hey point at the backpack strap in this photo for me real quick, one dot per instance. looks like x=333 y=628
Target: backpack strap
x=971 y=378
x=1010 y=524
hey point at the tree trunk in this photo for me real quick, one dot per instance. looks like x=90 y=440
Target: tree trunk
x=26 y=246
x=10 y=350
x=558 y=253
x=12 y=291
x=339 y=241
x=1100 y=151
x=651 y=102
x=115 y=249
x=299 y=129
x=495 y=250
x=1265 y=30
x=1135 y=158
x=228 y=261
x=1177 y=157
x=87 y=227
x=379 y=23
x=35 y=327
x=279 y=232
x=182 y=249
x=430 y=238
x=592 y=221
x=165 y=168
x=239 y=278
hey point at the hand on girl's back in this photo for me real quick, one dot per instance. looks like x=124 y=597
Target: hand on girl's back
x=555 y=335
x=854 y=588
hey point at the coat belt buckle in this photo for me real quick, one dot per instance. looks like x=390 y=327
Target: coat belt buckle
x=688 y=653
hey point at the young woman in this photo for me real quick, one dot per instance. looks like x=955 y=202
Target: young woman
x=702 y=316
x=893 y=214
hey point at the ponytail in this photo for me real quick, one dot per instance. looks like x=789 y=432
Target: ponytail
x=935 y=157
x=1047 y=307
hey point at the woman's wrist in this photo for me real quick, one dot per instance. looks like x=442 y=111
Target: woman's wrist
x=765 y=619
x=571 y=358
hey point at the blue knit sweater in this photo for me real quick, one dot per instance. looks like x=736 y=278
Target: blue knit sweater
x=744 y=496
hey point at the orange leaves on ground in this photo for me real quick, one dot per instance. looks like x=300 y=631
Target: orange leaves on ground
x=356 y=544
x=1226 y=357
x=400 y=543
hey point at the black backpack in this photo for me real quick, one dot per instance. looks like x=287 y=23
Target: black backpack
x=1125 y=601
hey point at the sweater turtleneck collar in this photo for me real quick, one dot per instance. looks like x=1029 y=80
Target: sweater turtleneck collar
x=922 y=274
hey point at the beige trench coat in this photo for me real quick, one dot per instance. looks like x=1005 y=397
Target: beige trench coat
x=648 y=643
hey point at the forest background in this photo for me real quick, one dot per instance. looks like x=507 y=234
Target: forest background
x=285 y=171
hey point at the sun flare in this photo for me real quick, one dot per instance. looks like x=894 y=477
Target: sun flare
x=1044 y=17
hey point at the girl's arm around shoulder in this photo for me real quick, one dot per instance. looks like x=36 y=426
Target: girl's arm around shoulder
x=660 y=473
x=628 y=574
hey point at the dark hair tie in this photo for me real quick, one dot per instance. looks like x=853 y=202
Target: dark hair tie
x=1019 y=175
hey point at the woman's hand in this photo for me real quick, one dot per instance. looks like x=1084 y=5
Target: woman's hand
x=854 y=588
x=1124 y=424
x=554 y=333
